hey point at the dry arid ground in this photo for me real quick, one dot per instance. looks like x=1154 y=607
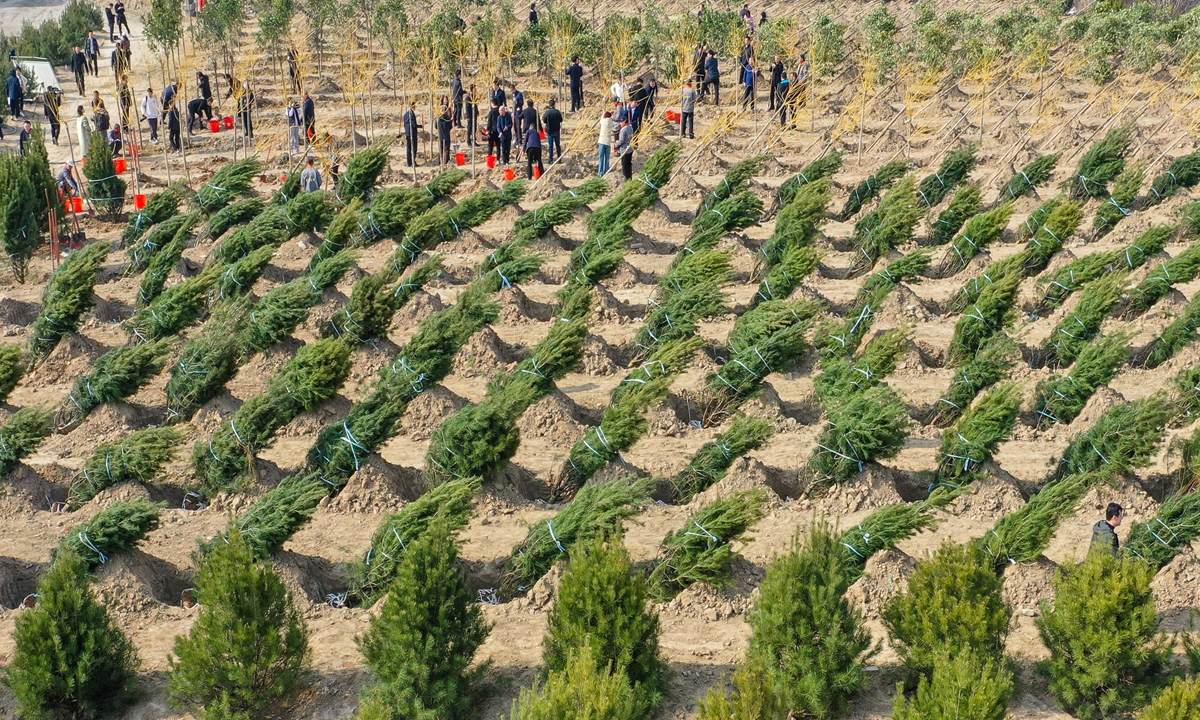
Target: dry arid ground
x=704 y=633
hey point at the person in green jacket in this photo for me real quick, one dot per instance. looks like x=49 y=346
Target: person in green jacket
x=1104 y=533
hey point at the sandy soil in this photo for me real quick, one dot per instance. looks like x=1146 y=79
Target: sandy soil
x=704 y=632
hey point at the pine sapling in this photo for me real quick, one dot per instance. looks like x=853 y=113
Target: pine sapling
x=869 y=189
x=1022 y=535
x=962 y=684
x=358 y=180
x=798 y=222
x=1102 y=163
x=974 y=438
x=67 y=297
x=898 y=215
x=1125 y=437
x=138 y=457
x=177 y=307
x=1183 y=174
x=1120 y=203
x=106 y=189
x=160 y=207
x=584 y=689
x=1180 y=701
x=115 y=376
x=889 y=525
x=988 y=316
x=965 y=204
x=143 y=251
x=979 y=233
x=12 y=367
x=1176 y=336
x=1061 y=399
x=21 y=436
x=239 y=213
x=710 y=463
x=162 y=263
x=279 y=312
x=986 y=367
x=1077 y=329
x=823 y=167
x=117 y=528
x=230 y=182
x=208 y=361
x=865 y=427
x=1029 y=178
x=953 y=171
x=1059 y=285
x=737 y=180
x=1182 y=268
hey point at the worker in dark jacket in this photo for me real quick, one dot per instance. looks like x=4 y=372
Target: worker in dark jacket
x=504 y=129
x=533 y=152
x=471 y=112
x=712 y=78
x=205 y=86
x=490 y=129
x=52 y=104
x=91 y=48
x=552 y=120
x=575 y=73
x=445 y=124
x=1104 y=533
x=195 y=108
x=79 y=66
x=411 y=126
x=456 y=95
x=308 y=110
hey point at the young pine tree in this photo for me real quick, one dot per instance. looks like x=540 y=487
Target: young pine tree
x=1107 y=657
x=751 y=697
x=582 y=690
x=953 y=604
x=806 y=632
x=105 y=187
x=602 y=602
x=19 y=229
x=249 y=646
x=71 y=659
x=420 y=646
x=1181 y=701
x=964 y=684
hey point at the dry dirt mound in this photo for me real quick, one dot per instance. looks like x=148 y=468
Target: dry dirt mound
x=989 y=500
x=485 y=355
x=885 y=577
x=425 y=413
x=1028 y=585
x=377 y=487
x=553 y=418
x=1177 y=592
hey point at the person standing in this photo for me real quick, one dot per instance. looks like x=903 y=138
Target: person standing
x=552 y=121
x=529 y=116
x=777 y=76
x=308 y=111
x=625 y=149
x=15 y=96
x=1104 y=532
x=91 y=48
x=498 y=96
x=122 y=22
x=293 y=61
x=79 y=66
x=195 y=108
x=651 y=97
x=491 y=130
x=687 y=109
x=504 y=128
x=445 y=124
x=533 y=152
x=112 y=22
x=151 y=112
x=575 y=73
x=205 y=87
x=245 y=110
x=173 y=126
x=533 y=14
x=782 y=93
x=748 y=83
x=168 y=96
x=310 y=177
x=698 y=62
x=52 y=107
x=637 y=101
x=747 y=56
x=471 y=109
x=83 y=132
x=456 y=96
x=518 y=110
x=712 y=78
x=800 y=82
x=618 y=90
x=410 y=125
x=125 y=104
x=294 y=123
x=606 y=141
x=100 y=118
x=25 y=137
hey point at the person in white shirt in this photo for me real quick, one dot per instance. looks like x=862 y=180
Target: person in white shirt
x=606 y=141
x=151 y=112
x=618 y=90
x=83 y=131
x=295 y=121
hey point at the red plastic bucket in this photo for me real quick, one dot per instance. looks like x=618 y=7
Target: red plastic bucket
x=139 y=201
x=509 y=173
x=228 y=122
x=67 y=205
x=78 y=204
x=460 y=158
x=542 y=134
x=214 y=125
x=537 y=173
x=491 y=161
x=283 y=178
x=119 y=165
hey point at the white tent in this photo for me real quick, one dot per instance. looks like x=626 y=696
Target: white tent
x=40 y=70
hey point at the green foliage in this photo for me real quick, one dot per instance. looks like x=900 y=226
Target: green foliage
x=138 y=457
x=1125 y=437
x=681 y=314
x=1061 y=224
x=283 y=308
x=21 y=436
x=737 y=180
x=986 y=367
x=889 y=525
x=270 y=521
x=160 y=207
x=981 y=429
x=823 y=167
x=145 y=248
x=964 y=205
x=897 y=217
x=19 y=214
x=362 y=172
x=882 y=50
x=1038 y=217
x=116 y=375
x=1180 y=701
x=1183 y=174
x=743 y=375
x=1169 y=532
x=751 y=697
x=1060 y=284
x=248 y=647
x=962 y=685
x=827 y=45
x=241 y=275
x=374 y=302
x=712 y=460
x=807 y=636
x=1101 y=164
x=581 y=691
x=864 y=427
x=117 y=528
x=839 y=378
x=870 y=188
x=238 y=213
x=952 y=606
x=796 y=264
x=67 y=297
x=448 y=504
x=12 y=367
x=1061 y=399
x=1176 y=336
x=559 y=210
x=162 y=263
x=1182 y=268
x=421 y=645
x=1022 y=535
x=178 y=306
x=736 y=213
x=702 y=551
x=1030 y=177
x=1120 y=202
x=980 y=232
x=54 y=39
x=992 y=311
x=273 y=226
x=596 y=512
x=163 y=25
x=1107 y=657
x=71 y=658
x=208 y=361
x=106 y=189
x=1076 y=330
x=601 y=602
x=309 y=379
x=953 y=171
x=230 y=182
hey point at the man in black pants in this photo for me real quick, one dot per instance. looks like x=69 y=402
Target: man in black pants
x=205 y=89
x=195 y=108
x=776 y=78
x=308 y=110
x=444 y=125
x=173 y=127
x=712 y=78
x=552 y=120
x=490 y=129
x=625 y=149
x=91 y=48
x=575 y=73
x=533 y=152
x=410 y=135
x=79 y=65
x=112 y=22
x=456 y=94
